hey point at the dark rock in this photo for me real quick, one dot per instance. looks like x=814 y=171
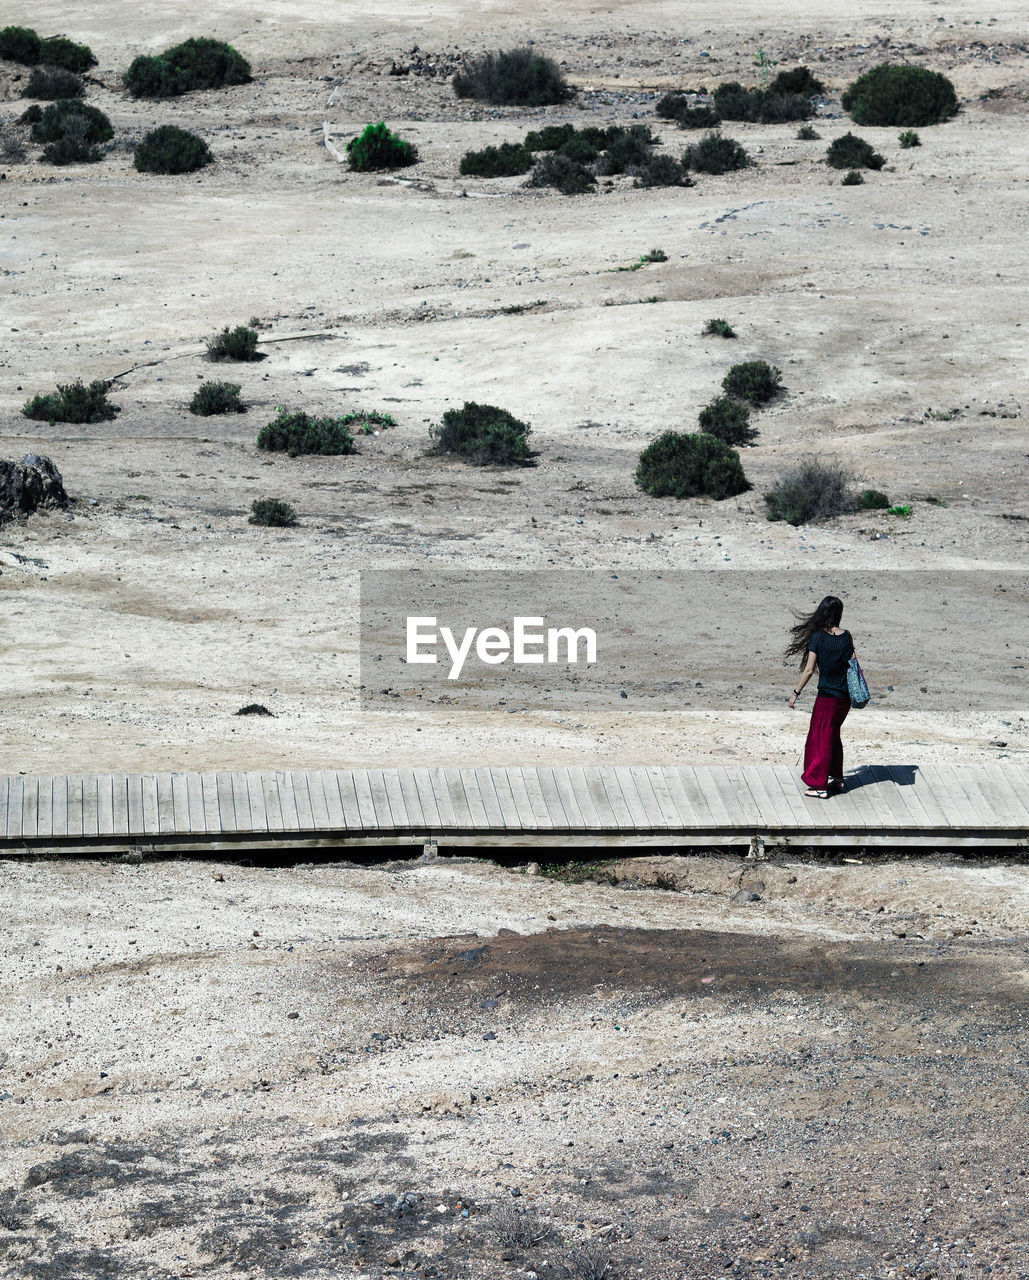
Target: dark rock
x=254 y=709
x=34 y=484
x=744 y=895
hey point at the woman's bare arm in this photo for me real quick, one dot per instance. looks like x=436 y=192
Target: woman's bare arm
x=805 y=676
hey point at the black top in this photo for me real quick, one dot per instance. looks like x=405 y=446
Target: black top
x=833 y=654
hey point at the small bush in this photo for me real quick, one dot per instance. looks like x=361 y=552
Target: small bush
x=715 y=154
x=676 y=106
x=679 y=465
x=904 y=512
x=482 y=434
x=626 y=149
x=505 y=161
x=761 y=106
x=810 y=492
x=20 y=44
x=275 y=514
x=661 y=171
x=754 y=380
x=52 y=84
x=515 y=77
x=197 y=63
x=556 y=170
x=237 y=344
x=807 y=133
x=909 y=139
x=873 y=500
x=168 y=149
x=12 y=147
x=31 y=115
x=59 y=51
x=368 y=421
x=211 y=398
x=579 y=149
x=852 y=178
x=517 y=1229
x=297 y=433
x=74 y=402
x=720 y=329
x=549 y=138
x=900 y=96
x=380 y=148
x=728 y=420
x=852 y=152
x=75 y=120
x=799 y=80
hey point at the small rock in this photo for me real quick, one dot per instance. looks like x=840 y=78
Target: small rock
x=293 y=1016
x=742 y=896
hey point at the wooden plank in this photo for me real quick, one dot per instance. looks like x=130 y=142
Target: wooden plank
x=791 y=788
x=241 y=801
x=384 y=819
x=556 y=816
x=995 y=783
x=226 y=805
x=735 y=795
x=608 y=798
x=119 y=805
x=349 y=799
x=938 y=789
x=437 y=811
x=302 y=796
x=688 y=819
x=5 y=795
x=710 y=792
x=587 y=805
x=197 y=812
x=333 y=804
x=272 y=802
x=29 y=807
x=74 y=804
x=542 y=818
x=983 y=812
x=165 y=804
x=366 y=819
x=480 y=819
x=490 y=799
x=395 y=796
x=670 y=814
x=771 y=820
x=44 y=807
x=887 y=791
x=412 y=801
x=1017 y=779
x=258 y=804
x=90 y=794
x=180 y=804
x=319 y=803
x=974 y=812
x=906 y=795
x=690 y=783
x=568 y=802
x=212 y=807
x=14 y=808
x=287 y=800
x=448 y=782
x=148 y=791
x=638 y=814
x=500 y=779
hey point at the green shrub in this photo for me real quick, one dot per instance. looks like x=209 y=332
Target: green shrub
x=873 y=500
x=811 y=491
x=20 y=44
x=211 y=398
x=482 y=434
x=626 y=149
x=505 y=161
x=852 y=178
x=197 y=63
x=274 y=514
x=903 y=511
x=556 y=170
x=729 y=420
x=715 y=154
x=59 y=51
x=806 y=133
x=52 y=84
x=679 y=465
x=753 y=380
x=297 y=433
x=72 y=403
x=661 y=171
x=900 y=96
x=368 y=421
x=380 y=148
x=579 y=149
x=909 y=139
x=72 y=131
x=602 y=136
x=761 y=106
x=799 y=80
x=676 y=106
x=549 y=138
x=852 y=152
x=234 y=344
x=720 y=329
x=31 y=115
x=515 y=77
x=168 y=149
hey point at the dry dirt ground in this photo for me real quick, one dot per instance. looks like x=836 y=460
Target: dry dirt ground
x=332 y=1071
x=325 y=1071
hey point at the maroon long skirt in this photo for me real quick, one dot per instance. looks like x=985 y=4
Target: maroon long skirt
x=823 y=752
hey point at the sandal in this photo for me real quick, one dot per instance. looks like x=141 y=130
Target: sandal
x=817 y=795
x=836 y=785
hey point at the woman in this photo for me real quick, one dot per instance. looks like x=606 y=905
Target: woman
x=818 y=640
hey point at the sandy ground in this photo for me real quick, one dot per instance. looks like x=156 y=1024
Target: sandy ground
x=329 y=1071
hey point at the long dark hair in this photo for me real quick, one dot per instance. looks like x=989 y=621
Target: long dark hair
x=827 y=615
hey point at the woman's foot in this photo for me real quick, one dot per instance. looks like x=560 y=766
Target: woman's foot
x=835 y=784
x=817 y=794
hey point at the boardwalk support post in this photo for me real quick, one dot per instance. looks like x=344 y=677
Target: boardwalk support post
x=430 y=850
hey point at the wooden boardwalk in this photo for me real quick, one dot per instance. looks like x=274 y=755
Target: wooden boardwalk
x=889 y=806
